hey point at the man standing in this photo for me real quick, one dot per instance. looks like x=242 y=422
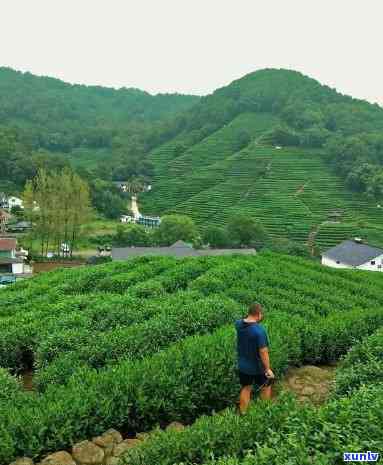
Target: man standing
x=253 y=357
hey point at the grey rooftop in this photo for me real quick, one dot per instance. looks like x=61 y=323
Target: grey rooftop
x=353 y=253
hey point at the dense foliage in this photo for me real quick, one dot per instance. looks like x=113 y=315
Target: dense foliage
x=45 y=122
x=136 y=344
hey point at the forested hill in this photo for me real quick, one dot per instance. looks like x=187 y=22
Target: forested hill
x=60 y=116
x=224 y=160
x=47 y=122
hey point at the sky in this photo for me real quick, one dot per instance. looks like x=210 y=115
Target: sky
x=195 y=46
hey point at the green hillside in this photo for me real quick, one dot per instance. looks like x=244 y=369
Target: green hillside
x=59 y=116
x=299 y=191
x=131 y=345
x=209 y=157
x=293 y=192
x=47 y=122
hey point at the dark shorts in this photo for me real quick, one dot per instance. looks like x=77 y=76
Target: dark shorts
x=250 y=380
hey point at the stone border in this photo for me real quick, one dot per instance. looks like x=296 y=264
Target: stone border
x=102 y=450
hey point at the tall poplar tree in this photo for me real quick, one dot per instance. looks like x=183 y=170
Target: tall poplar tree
x=58 y=204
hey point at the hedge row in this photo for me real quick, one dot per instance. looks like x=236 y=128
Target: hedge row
x=101 y=319
x=321 y=436
x=190 y=378
x=279 y=433
x=20 y=335
x=363 y=365
x=48 y=287
x=23 y=334
x=9 y=385
x=129 y=343
x=226 y=433
x=44 y=288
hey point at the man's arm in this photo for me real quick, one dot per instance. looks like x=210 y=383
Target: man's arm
x=264 y=354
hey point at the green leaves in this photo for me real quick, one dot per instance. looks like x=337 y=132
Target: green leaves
x=160 y=346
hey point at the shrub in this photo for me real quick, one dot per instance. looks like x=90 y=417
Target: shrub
x=272 y=433
x=9 y=385
x=363 y=365
x=143 y=339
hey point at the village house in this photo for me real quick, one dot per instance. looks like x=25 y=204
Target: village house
x=15 y=202
x=147 y=221
x=8 y=203
x=354 y=254
x=179 y=249
x=12 y=259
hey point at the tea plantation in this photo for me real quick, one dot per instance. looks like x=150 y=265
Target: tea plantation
x=291 y=191
x=139 y=344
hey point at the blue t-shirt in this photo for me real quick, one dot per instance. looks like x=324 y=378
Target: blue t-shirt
x=250 y=338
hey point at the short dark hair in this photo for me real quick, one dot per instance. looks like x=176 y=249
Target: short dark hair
x=255 y=308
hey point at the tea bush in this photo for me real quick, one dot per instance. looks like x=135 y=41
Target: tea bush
x=363 y=365
x=159 y=333
x=347 y=424
x=137 y=341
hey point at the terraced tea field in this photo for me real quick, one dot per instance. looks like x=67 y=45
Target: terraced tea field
x=291 y=191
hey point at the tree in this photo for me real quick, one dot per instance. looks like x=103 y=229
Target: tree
x=135 y=185
x=17 y=211
x=215 y=237
x=245 y=231
x=107 y=199
x=132 y=235
x=58 y=204
x=174 y=228
x=286 y=246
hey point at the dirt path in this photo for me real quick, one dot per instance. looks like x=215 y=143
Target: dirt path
x=311 y=239
x=309 y=383
x=134 y=207
x=27 y=380
x=301 y=189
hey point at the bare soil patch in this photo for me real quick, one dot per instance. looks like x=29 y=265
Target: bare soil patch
x=309 y=383
x=41 y=267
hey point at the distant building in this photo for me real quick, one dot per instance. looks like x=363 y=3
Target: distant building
x=12 y=261
x=20 y=226
x=9 y=202
x=122 y=185
x=3 y=200
x=149 y=221
x=354 y=254
x=179 y=249
x=127 y=219
x=14 y=202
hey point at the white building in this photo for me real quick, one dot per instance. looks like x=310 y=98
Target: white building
x=15 y=202
x=354 y=254
x=126 y=219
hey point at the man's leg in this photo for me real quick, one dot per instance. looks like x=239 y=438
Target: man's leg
x=244 y=398
x=265 y=393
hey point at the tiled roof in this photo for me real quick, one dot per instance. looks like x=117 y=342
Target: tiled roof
x=7 y=243
x=353 y=253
